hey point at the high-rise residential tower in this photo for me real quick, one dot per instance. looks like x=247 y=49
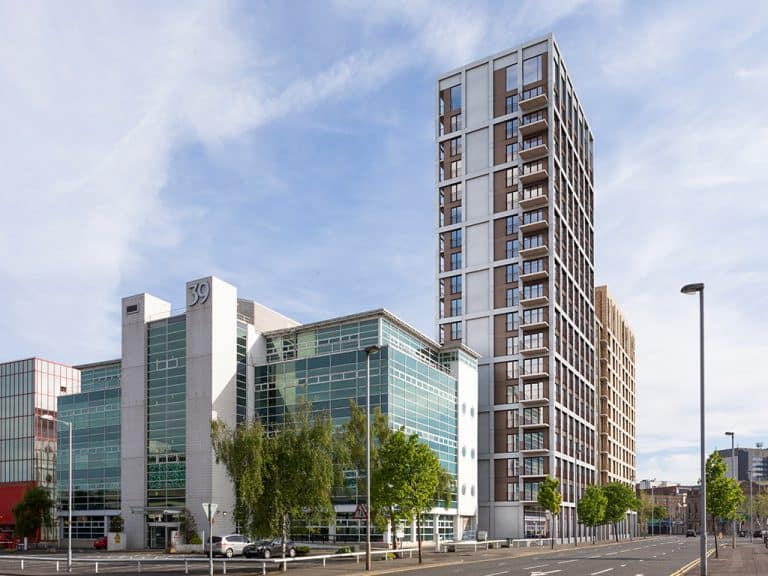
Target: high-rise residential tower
x=616 y=352
x=516 y=275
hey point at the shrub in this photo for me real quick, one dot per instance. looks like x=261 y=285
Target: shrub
x=344 y=550
x=195 y=540
x=303 y=550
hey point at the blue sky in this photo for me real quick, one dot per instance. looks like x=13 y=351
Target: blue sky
x=288 y=148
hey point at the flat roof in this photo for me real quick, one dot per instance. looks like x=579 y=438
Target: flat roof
x=98 y=364
x=377 y=313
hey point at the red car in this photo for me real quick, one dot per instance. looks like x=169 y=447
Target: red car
x=100 y=543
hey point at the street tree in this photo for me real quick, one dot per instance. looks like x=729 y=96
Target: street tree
x=591 y=508
x=241 y=450
x=621 y=498
x=390 y=482
x=429 y=484
x=295 y=461
x=549 y=499
x=760 y=507
x=724 y=495
x=33 y=512
x=350 y=443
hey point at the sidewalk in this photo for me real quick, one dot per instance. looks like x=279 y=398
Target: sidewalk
x=746 y=560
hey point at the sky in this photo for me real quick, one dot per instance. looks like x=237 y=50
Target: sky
x=288 y=147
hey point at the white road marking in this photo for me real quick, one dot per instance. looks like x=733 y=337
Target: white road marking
x=622 y=566
x=593 y=557
x=544 y=573
x=498 y=573
x=537 y=566
x=601 y=572
x=567 y=561
x=611 y=553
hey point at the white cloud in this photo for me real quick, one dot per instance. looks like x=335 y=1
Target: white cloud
x=93 y=102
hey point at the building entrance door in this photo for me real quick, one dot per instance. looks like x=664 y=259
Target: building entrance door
x=159 y=534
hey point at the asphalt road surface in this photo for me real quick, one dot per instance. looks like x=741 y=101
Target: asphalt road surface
x=659 y=556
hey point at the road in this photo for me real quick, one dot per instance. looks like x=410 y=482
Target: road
x=659 y=556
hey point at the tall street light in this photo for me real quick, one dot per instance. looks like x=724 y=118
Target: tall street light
x=698 y=288
x=368 y=352
x=733 y=473
x=751 y=525
x=69 y=488
x=653 y=506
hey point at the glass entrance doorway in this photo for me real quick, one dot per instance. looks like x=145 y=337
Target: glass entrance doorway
x=159 y=534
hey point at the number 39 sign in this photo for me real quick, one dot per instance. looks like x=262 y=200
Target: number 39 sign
x=198 y=292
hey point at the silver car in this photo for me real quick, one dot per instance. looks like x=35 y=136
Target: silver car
x=230 y=545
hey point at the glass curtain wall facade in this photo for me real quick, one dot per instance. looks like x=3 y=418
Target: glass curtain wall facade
x=326 y=365
x=95 y=417
x=29 y=390
x=166 y=414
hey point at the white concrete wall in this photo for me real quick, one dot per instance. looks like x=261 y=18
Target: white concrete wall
x=133 y=410
x=467 y=436
x=477 y=151
x=211 y=387
x=477 y=90
x=477 y=198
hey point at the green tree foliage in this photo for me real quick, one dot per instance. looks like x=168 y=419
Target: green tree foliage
x=621 y=498
x=288 y=473
x=549 y=499
x=724 y=495
x=390 y=481
x=591 y=508
x=33 y=511
x=350 y=443
x=187 y=526
x=760 y=506
x=242 y=452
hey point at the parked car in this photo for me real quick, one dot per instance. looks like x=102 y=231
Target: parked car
x=270 y=548
x=100 y=543
x=689 y=533
x=758 y=534
x=229 y=545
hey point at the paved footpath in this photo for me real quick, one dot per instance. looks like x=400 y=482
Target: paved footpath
x=747 y=560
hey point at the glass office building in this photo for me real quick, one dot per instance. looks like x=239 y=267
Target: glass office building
x=414 y=381
x=29 y=390
x=94 y=413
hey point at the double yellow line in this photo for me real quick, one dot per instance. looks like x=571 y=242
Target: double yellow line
x=691 y=564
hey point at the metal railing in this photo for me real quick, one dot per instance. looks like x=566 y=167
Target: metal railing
x=141 y=564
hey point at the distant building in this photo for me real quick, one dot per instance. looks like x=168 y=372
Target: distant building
x=617 y=425
x=746 y=459
x=29 y=390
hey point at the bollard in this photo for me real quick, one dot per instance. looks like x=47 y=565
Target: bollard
x=323 y=561
x=186 y=566
x=57 y=566
x=263 y=567
x=138 y=566
x=96 y=568
x=225 y=567
x=22 y=564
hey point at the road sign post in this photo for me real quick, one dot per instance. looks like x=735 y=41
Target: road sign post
x=209 y=508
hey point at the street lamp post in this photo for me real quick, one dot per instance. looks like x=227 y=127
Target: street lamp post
x=733 y=473
x=698 y=288
x=368 y=351
x=653 y=507
x=751 y=525
x=69 y=489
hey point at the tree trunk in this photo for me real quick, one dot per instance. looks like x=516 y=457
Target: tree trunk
x=616 y=530
x=285 y=538
x=714 y=533
x=418 y=534
x=552 y=529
